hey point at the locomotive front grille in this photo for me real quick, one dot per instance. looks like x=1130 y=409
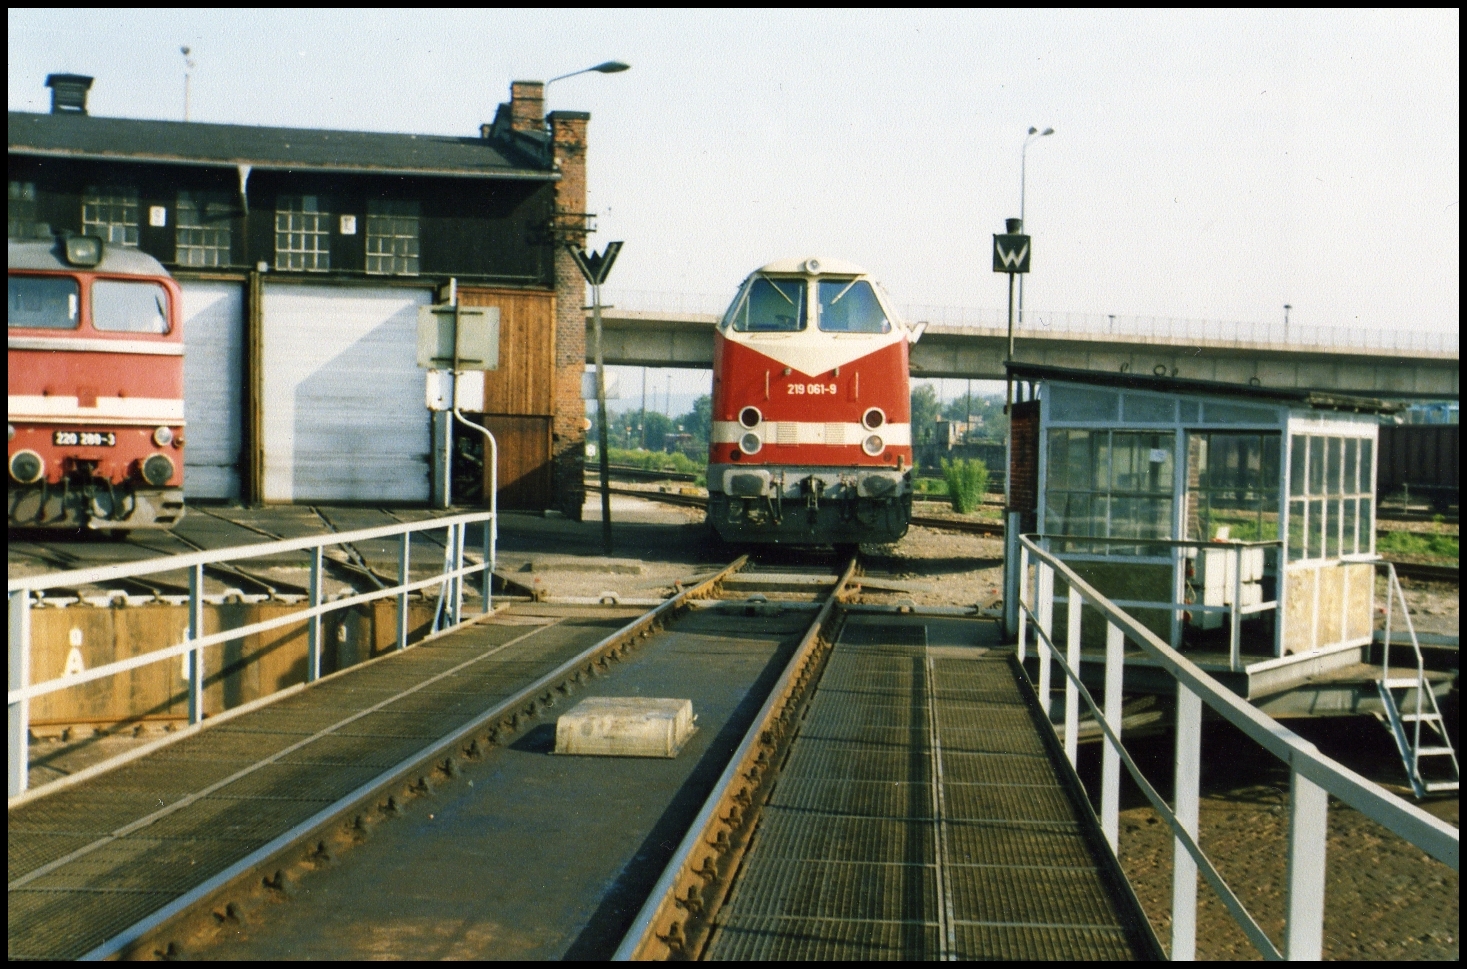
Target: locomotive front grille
x=835 y=433
x=786 y=432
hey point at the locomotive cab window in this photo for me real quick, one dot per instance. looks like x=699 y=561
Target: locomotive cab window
x=850 y=306
x=129 y=307
x=770 y=306
x=44 y=303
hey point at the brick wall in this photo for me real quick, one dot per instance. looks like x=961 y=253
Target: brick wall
x=568 y=437
x=1024 y=457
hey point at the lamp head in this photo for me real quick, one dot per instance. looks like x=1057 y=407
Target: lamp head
x=611 y=67
x=1046 y=131
x=1033 y=131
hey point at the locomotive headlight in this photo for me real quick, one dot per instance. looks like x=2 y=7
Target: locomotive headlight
x=750 y=443
x=873 y=418
x=163 y=436
x=873 y=445
x=750 y=417
x=27 y=467
x=157 y=469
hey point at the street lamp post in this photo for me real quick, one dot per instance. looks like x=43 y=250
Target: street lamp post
x=1023 y=163
x=610 y=67
x=1287 y=307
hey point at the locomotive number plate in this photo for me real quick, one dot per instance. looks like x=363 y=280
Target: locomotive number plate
x=812 y=389
x=84 y=439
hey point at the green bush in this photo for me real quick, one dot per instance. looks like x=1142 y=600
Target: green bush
x=656 y=460
x=967 y=482
x=1409 y=543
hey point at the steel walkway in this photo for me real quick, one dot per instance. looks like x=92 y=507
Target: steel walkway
x=923 y=813
x=91 y=860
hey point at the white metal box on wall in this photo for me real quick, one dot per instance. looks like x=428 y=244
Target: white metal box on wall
x=342 y=395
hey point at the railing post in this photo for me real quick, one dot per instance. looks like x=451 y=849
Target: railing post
x=1012 y=582
x=1026 y=598
x=1385 y=669
x=1235 y=641
x=195 y=656
x=1072 y=689
x=1110 y=758
x=404 y=551
x=459 y=531
x=1308 y=828
x=313 y=651
x=488 y=592
x=20 y=677
x=1045 y=581
x=1184 y=868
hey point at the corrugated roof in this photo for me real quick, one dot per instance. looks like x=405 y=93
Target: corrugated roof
x=298 y=149
x=1210 y=388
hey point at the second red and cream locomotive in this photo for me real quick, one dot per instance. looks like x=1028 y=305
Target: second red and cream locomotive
x=95 y=387
x=811 y=441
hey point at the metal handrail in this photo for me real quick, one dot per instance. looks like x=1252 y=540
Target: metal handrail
x=21 y=691
x=1394 y=591
x=1314 y=776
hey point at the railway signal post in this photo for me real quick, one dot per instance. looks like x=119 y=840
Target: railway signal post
x=596 y=267
x=1011 y=253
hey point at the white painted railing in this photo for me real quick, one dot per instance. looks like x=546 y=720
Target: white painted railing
x=449 y=579
x=1314 y=776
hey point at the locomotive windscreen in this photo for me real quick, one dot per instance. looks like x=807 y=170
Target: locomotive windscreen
x=44 y=302
x=770 y=306
x=129 y=307
x=850 y=306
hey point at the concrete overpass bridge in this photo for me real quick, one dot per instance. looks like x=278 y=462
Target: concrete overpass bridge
x=662 y=330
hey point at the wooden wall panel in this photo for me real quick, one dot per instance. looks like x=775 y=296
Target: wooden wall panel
x=524 y=384
x=524 y=461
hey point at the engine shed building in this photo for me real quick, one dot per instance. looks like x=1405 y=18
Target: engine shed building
x=303 y=256
x=1238 y=522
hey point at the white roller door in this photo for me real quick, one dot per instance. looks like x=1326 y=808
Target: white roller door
x=344 y=417
x=213 y=388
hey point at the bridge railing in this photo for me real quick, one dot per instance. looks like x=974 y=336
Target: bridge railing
x=449 y=579
x=1314 y=777
x=1099 y=324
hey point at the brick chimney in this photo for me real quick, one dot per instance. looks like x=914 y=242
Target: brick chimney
x=527 y=105
x=568 y=143
x=68 y=93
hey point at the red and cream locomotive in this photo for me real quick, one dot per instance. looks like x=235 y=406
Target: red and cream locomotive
x=812 y=440
x=95 y=387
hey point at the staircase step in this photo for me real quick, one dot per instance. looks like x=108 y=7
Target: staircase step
x=1400 y=683
x=1421 y=716
x=1435 y=786
x=1434 y=751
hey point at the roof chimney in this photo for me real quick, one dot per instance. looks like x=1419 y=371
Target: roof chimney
x=68 y=93
x=527 y=105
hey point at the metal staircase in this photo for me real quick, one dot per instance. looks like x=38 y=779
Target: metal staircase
x=1432 y=747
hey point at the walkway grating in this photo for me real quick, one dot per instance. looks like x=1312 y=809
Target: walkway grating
x=91 y=860
x=919 y=815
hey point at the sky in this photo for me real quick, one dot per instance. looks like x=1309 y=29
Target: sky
x=1205 y=165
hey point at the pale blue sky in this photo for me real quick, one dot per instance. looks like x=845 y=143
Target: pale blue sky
x=1205 y=165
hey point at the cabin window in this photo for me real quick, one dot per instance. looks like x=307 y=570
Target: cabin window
x=1331 y=497
x=392 y=237
x=111 y=214
x=1109 y=484
x=21 y=210
x=1233 y=484
x=121 y=306
x=769 y=306
x=851 y=306
x=44 y=303
x=202 y=233
x=302 y=234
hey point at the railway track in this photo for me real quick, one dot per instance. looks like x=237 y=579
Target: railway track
x=141 y=859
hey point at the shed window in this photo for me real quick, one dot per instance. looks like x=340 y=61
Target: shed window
x=392 y=237
x=302 y=234
x=202 y=234
x=111 y=214
x=1331 y=497
x=21 y=210
x=1233 y=483
x=1109 y=484
x=1069 y=403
